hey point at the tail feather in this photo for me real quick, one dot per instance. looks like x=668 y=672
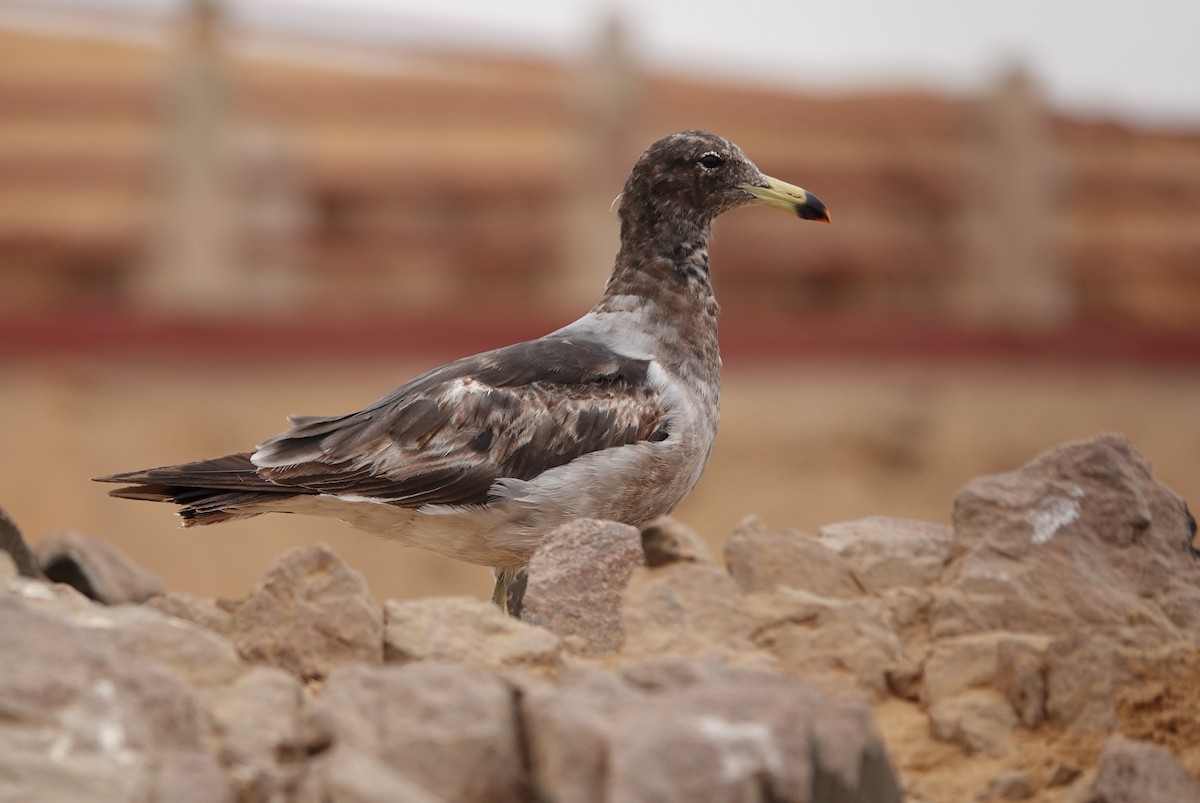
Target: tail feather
x=208 y=491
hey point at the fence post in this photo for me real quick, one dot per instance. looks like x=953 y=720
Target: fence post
x=603 y=144
x=192 y=266
x=1013 y=274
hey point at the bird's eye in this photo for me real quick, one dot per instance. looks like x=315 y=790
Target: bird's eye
x=710 y=161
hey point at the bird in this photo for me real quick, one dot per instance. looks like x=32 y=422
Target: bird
x=612 y=416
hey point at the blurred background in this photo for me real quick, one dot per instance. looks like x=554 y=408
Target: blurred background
x=213 y=214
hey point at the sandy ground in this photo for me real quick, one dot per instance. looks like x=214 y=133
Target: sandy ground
x=800 y=446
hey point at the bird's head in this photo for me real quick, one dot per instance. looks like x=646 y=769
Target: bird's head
x=698 y=175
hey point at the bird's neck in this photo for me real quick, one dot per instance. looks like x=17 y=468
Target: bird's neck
x=662 y=258
x=661 y=276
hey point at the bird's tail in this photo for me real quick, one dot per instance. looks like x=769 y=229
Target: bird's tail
x=208 y=491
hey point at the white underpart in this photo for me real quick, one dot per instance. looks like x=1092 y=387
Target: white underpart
x=1052 y=514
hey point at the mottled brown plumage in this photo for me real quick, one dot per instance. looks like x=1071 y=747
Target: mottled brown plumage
x=612 y=416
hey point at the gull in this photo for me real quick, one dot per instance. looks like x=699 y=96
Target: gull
x=611 y=417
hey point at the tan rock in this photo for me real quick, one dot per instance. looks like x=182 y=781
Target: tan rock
x=310 y=614
x=465 y=630
x=1081 y=680
x=685 y=609
x=576 y=579
x=835 y=643
x=885 y=553
x=1010 y=663
x=979 y=721
x=760 y=559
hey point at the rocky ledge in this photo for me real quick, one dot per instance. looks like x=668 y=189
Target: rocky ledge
x=1043 y=647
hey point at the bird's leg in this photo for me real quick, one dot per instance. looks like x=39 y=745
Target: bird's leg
x=510 y=590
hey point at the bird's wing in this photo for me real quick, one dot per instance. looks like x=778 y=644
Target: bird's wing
x=445 y=437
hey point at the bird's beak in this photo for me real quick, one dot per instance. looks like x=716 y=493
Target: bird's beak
x=789 y=198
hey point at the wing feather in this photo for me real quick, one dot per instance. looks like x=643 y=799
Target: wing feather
x=445 y=437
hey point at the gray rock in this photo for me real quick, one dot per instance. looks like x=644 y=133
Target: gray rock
x=214 y=614
x=14 y=544
x=451 y=729
x=191 y=777
x=1082 y=536
x=576 y=579
x=666 y=540
x=82 y=720
x=96 y=569
x=345 y=775
x=8 y=571
x=465 y=630
x=760 y=559
x=194 y=654
x=722 y=735
x=197 y=656
x=310 y=614
x=255 y=726
x=1138 y=772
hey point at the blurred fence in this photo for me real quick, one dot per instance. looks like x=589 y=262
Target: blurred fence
x=194 y=180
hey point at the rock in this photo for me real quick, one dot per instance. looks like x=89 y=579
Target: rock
x=197 y=656
x=666 y=540
x=1014 y=785
x=1137 y=772
x=191 y=777
x=8 y=571
x=194 y=654
x=685 y=609
x=213 y=614
x=310 y=614
x=1081 y=681
x=80 y=719
x=14 y=544
x=94 y=568
x=722 y=735
x=255 y=724
x=1082 y=536
x=885 y=553
x=833 y=643
x=451 y=729
x=576 y=579
x=1012 y=664
x=1062 y=775
x=759 y=560
x=979 y=721
x=344 y=775
x=465 y=630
